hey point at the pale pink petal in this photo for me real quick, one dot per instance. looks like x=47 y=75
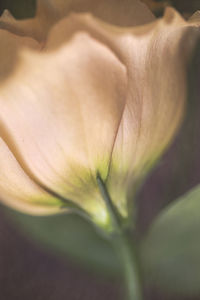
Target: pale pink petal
x=10 y=46
x=60 y=110
x=157 y=72
x=18 y=191
x=156 y=56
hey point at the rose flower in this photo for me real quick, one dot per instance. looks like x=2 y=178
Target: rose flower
x=88 y=88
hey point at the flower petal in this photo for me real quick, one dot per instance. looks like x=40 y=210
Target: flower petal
x=10 y=46
x=61 y=111
x=18 y=191
x=156 y=57
x=125 y=13
x=156 y=66
x=122 y=13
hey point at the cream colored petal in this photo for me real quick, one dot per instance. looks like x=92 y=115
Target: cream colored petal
x=157 y=66
x=10 y=46
x=156 y=57
x=120 y=12
x=18 y=191
x=60 y=114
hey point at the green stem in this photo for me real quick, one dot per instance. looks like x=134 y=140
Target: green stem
x=122 y=244
x=128 y=258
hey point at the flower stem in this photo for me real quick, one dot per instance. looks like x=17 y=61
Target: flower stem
x=121 y=241
x=129 y=263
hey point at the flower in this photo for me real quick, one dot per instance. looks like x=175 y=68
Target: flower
x=85 y=94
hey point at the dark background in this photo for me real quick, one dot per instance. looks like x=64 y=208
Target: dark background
x=28 y=273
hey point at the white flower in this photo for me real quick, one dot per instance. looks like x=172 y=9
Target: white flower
x=81 y=96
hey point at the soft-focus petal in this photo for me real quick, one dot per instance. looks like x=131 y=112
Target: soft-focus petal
x=157 y=66
x=124 y=13
x=10 y=46
x=18 y=191
x=61 y=110
x=156 y=57
x=120 y=12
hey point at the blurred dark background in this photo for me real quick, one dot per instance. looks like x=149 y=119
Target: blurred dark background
x=19 y=8
x=28 y=272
